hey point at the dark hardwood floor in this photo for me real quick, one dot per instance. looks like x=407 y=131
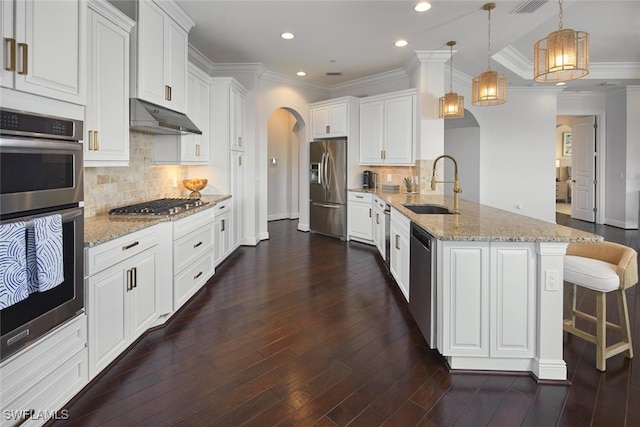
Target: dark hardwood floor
x=307 y=330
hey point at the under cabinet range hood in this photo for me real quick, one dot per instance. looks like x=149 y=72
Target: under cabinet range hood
x=150 y=118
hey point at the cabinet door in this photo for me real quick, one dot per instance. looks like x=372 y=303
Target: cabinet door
x=176 y=65
x=107 y=314
x=51 y=50
x=371 y=133
x=360 y=224
x=195 y=148
x=7 y=71
x=107 y=113
x=320 y=122
x=513 y=299
x=151 y=79
x=236 y=116
x=338 y=120
x=464 y=286
x=142 y=297
x=379 y=232
x=237 y=191
x=399 y=130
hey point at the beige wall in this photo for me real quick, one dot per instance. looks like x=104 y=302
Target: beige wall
x=105 y=188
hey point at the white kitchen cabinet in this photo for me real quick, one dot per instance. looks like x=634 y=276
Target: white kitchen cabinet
x=45 y=375
x=400 y=247
x=107 y=113
x=360 y=216
x=388 y=129
x=44 y=48
x=227 y=163
x=379 y=227
x=475 y=275
x=161 y=50
x=189 y=149
x=237 y=109
x=329 y=120
x=123 y=292
x=223 y=230
x=193 y=255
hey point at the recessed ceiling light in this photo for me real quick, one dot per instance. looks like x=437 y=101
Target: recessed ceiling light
x=301 y=73
x=423 y=6
x=561 y=83
x=287 y=36
x=401 y=43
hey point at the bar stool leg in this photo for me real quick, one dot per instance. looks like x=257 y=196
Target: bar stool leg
x=601 y=331
x=624 y=321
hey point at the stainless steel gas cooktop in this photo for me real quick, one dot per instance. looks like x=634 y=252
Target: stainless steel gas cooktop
x=160 y=207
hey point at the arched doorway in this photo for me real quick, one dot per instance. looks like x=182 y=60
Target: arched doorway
x=283 y=157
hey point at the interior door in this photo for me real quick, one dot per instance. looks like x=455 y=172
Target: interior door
x=583 y=168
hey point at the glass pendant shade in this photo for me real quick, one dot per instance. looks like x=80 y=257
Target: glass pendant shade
x=451 y=106
x=489 y=88
x=562 y=55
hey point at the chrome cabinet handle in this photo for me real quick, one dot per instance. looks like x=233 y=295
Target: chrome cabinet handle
x=135 y=277
x=223 y=226
x=129 y=280
x=327 y=129
x=397 y=242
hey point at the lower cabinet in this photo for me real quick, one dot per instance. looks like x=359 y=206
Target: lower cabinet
x=193 y=255
x=475 y=275
x=41 y=379
x=379 y=227
x=122 y=293
x=360 y=216
x=223 y=231
x=400 y=244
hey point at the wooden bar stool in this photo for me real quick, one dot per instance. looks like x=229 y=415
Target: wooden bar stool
x=602 y=267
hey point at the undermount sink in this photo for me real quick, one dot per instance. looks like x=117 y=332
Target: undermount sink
x=428 y=209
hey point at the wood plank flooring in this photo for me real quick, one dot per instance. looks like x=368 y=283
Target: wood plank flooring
x=307 y=330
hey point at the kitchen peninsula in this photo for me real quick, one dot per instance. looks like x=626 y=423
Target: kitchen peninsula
x=498 y=285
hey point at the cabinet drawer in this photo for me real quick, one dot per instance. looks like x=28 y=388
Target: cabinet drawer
x=223 y=207
x=192 y=222
x=192 y=279
x=110 y=253
x=48 y=373
x=355 y=196
x=378 y=203
x=193 y=245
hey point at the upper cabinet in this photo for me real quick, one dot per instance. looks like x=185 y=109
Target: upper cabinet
x=329 y=120
x=195 y=148
x=237 y=99
x=388 y=129
x=160 y=75
x=44 y=48
x=107 y=114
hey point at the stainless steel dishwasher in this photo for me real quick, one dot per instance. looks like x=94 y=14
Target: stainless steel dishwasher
x=422 y=289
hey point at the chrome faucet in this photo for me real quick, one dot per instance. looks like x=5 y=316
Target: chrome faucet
x=456 y=181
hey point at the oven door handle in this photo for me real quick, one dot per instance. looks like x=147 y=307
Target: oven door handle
x=40 y=145
x=67 y=215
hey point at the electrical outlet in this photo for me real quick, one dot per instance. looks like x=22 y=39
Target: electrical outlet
x=175 y=182
x=552 y=280
x=388 y=177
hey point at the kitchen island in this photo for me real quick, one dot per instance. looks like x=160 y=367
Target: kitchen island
x=498 y=286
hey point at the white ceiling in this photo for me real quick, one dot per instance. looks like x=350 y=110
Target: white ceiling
x=356 y=37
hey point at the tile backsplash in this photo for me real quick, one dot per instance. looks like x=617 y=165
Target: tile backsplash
x=108 y=187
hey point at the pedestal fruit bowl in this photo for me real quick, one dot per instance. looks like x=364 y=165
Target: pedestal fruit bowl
x=195 y=185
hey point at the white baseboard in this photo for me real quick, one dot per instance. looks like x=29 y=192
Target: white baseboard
x=304 y=227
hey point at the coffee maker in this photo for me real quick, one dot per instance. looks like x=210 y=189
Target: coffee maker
x=369 y=179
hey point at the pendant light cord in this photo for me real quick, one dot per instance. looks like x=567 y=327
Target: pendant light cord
x=560 y=4
x=451 y=68
x=489 y=42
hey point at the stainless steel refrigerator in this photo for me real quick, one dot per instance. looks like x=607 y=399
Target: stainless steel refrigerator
x=328 y=187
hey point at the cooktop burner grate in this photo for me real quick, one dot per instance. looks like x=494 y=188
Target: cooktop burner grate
x=166 y=206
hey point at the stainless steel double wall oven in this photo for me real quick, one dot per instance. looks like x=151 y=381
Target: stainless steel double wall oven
x=41 y=174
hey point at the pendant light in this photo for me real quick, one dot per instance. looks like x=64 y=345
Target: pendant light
x=562 y=55
x=490 y=87
x=451 y=104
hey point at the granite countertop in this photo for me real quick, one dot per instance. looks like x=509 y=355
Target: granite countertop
x=102 y=228
x=477 y=222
